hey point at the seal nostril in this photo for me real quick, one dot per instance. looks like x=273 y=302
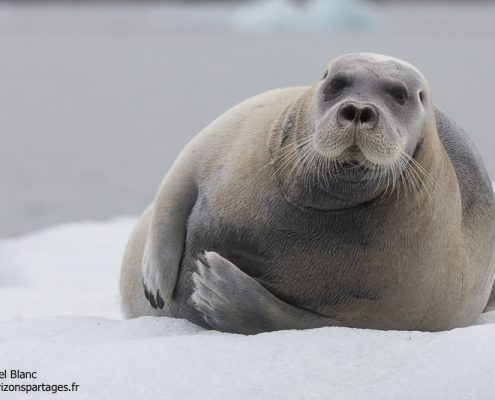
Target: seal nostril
x=348 y=113
x=368 y=116
x=365 y=115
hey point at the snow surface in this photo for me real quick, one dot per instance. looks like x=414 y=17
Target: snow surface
x=72 y=271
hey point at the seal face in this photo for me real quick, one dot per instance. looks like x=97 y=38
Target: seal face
x=351 y=202
x=365 y=122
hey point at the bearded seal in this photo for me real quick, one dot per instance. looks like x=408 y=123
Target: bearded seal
x=351 y=202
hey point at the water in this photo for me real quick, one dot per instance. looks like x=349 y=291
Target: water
x=97 y=101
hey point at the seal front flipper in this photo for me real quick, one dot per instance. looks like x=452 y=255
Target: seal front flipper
x=167 y=232
x=231 y=301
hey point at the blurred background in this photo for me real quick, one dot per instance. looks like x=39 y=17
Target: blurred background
x=98 y=98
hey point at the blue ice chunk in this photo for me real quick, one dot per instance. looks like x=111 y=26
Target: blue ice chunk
x=312 y=15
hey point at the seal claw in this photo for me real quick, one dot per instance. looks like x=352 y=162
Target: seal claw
x=159 y=301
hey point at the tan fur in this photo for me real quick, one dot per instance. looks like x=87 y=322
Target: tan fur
x=436 y=275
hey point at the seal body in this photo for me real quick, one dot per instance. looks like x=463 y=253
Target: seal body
x=290 y=246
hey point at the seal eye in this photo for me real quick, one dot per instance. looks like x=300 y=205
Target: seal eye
x=334 y=88
x=398 y=93
x=336 y=85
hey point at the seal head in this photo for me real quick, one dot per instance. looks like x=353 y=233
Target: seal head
x=366 y=120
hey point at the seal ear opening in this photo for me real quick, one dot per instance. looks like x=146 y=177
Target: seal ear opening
x=421 y=95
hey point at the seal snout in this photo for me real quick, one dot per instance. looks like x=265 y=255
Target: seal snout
x=359 y=114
